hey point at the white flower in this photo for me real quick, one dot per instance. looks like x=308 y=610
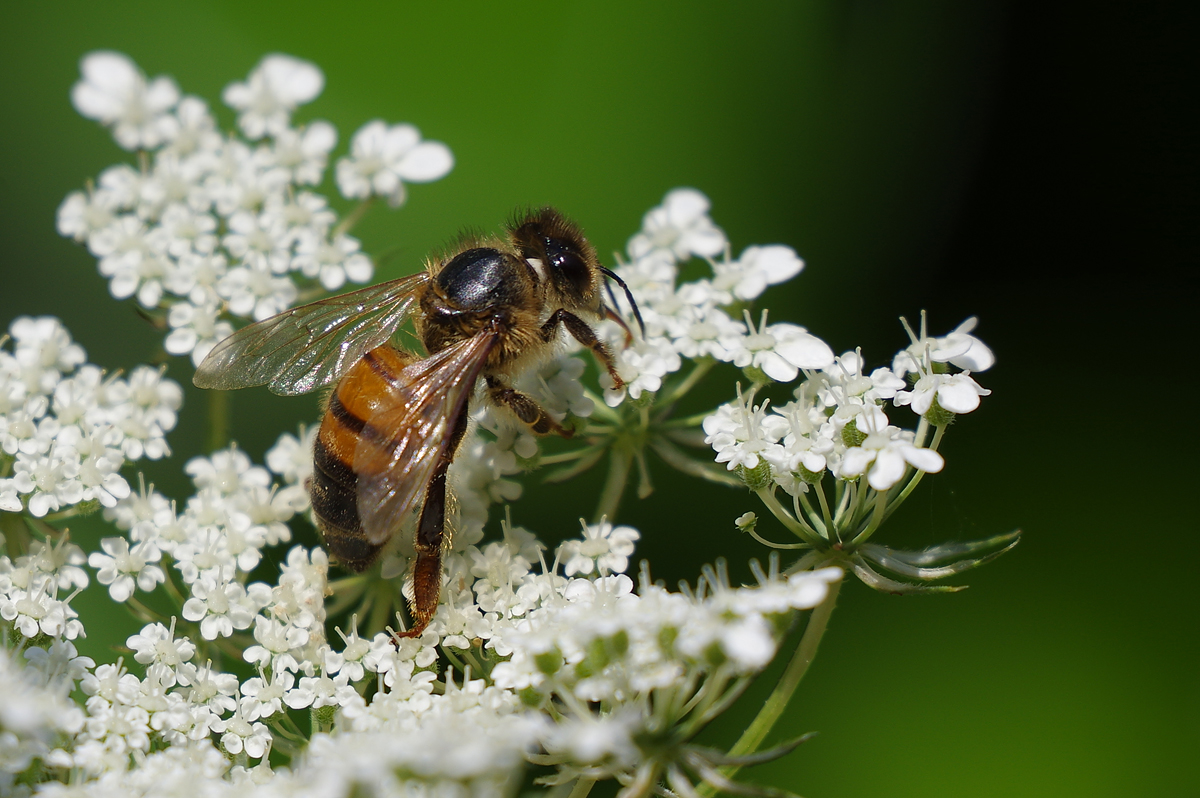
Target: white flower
x=781 y=350
x=222 y=607
x=81 y=215
x=959 y=348
x=256 y=292
x=121 y=567
x=708 y=331
x=44 y=351
x=642 y=367
x=958 y=393
x=382 y=158
x=276 y=642
x=304 y=153
x=748 y=276
x=681 y=227
x=883 y=456
x=115 y=93
x=331 y=262
x=164 y=655
x=263 y=697
x=741 y=433
x=239 y=734
x=291 y=456
x=321 y=691
x=195 y=330
x=604 y=549
x=273 y=90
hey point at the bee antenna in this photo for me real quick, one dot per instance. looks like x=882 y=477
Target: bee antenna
x=637 y=314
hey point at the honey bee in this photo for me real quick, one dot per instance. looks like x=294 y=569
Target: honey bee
x=487 y=311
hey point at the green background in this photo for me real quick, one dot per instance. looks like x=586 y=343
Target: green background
x=1021 y=162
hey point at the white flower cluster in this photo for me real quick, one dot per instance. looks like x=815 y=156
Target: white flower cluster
x=837 y=421
x=544 y=637
x=66 y=428
x=700 y=319
x=211 y=227
x=647 y=658
x=37 y=714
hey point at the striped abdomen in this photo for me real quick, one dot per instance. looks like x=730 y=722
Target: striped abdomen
x=360 y=395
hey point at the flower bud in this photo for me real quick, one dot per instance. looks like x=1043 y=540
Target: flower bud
x=809 y=477
x=645 y=399
x=531 y=697
x=548 y=662
x=756 y=478
x=939 y=416
x=746 y=522
x=757 y=375
x=322 y=717
x=666 y=640
x=594 y=661
x=851 y=435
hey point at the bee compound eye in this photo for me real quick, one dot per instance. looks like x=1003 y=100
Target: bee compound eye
x=568 y=267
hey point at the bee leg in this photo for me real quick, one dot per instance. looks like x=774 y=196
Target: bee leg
x=585 y=335
x=431 y=534
x=527 y=410
x=612 y=315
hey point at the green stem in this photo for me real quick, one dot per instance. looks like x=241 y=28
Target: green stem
x=678 y=391
x=777 y=702
x=796 y=526
x=619 y=464
x=916 y=479
x=819 y=488
x=876 y=519
x=218 y=420
x=353 y=218
x=381 y=608
x=582 y=787
x=574 y=454
x=827 y=530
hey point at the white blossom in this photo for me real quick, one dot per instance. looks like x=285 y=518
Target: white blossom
x=604 y=549
x=115 y=93
x=273 y=90
x=681 y=227
x=383 y=158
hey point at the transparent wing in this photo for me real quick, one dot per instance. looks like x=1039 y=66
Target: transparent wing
x=402 y=443
x=311 y=346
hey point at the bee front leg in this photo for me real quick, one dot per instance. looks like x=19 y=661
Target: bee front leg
x=585 y=335
x=526 y=409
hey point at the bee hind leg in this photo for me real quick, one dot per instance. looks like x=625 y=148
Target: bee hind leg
x=525 y=409
x=431 y=536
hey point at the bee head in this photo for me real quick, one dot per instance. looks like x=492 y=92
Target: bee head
x=569 y=260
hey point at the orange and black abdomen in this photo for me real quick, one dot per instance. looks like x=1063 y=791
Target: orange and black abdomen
x=358 y=397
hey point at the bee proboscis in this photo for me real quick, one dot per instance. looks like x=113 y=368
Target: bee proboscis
x=489 y=310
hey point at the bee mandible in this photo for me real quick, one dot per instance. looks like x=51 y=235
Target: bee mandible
x=486 y=312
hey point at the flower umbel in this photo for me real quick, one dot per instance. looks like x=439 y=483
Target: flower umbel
x=536 y=654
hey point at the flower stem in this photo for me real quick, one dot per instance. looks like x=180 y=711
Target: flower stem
x=353 y=218
x=619 y=464
x=218 y=420
x=582 y=787
x=775 y=704
x=795 y=525
x=680 y=389
x=916 y=478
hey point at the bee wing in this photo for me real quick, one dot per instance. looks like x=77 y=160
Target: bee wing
x=403 y=442
x=311 y=346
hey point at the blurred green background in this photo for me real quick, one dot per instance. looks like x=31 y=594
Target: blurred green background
x=1022 y=162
